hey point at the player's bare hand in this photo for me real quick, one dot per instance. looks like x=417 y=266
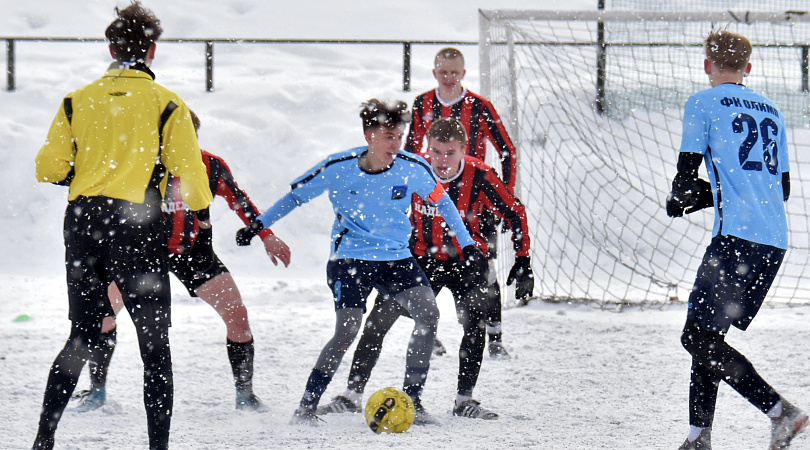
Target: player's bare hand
x=276 y=248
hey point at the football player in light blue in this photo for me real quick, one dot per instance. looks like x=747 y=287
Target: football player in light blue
x=740 y=134
x=370 y=189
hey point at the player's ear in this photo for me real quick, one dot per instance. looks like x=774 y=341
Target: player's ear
x=707 y=66
x=747 y=69
x=112 y=52
x=369 y=133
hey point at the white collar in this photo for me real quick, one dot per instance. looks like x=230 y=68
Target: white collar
x=454 y=101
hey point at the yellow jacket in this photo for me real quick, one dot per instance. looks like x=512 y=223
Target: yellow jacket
x=112 y=138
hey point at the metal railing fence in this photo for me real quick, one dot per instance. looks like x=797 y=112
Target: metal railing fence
x=209 y=51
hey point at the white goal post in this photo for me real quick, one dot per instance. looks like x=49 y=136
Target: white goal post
x=593 y=101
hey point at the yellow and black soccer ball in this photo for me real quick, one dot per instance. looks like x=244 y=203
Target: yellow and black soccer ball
x=389 y=410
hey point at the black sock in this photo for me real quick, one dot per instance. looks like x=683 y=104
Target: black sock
x=241 y=356
x=100 y=362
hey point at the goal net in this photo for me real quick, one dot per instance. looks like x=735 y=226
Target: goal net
x=594 y=101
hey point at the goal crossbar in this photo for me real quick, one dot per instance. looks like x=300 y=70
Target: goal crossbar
x=638 y=16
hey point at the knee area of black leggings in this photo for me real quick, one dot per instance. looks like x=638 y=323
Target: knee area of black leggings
x=428 y=313
x=345 y=336
x=434 y=314
x=89 y=330
x=469 y=317
x=475 y=326
x=696 y=340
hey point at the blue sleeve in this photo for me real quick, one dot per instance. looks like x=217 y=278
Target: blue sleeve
x=303 y=189
x=784 y=159
x=695 y=136
x=450 y=215
x=280 y=209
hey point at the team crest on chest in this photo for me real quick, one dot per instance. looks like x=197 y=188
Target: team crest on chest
x=398 y=192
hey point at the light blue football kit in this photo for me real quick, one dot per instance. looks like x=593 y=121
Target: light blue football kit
x=742 y=136
x=370 y=237
x=371 y=210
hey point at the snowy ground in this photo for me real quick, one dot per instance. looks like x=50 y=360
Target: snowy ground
x=579 y=378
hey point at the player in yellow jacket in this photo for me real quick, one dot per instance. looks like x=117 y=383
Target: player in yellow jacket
x=113 y=141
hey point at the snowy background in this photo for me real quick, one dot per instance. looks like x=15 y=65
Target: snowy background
x=579 y=378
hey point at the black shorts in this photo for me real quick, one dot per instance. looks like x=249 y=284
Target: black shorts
x=351 y=280
x=469 y=293
x=453 y=275
x=192 y=273
x=110 y=240
x=732 y=283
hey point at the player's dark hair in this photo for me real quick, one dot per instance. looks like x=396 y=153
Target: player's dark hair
x=448 y=53
x=134 y=31
x=728 y=50
x=448 y=129
x=376 y=113
x=195 y=120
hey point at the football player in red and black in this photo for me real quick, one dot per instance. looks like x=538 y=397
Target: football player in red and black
x=482 y=124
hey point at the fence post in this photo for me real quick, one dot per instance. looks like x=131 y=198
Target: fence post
x=805 y=62
x=10 y=65
x=209 y=66
x=601 y=63
x=406 y=66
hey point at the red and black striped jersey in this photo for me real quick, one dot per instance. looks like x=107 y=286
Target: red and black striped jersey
x=182 y=223
x=479 y=119
x=474 y=188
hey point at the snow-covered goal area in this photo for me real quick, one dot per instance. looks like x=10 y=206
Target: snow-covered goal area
x=594 y=101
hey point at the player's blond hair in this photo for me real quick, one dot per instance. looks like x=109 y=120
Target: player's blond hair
x=728 y=50
x=448 y=53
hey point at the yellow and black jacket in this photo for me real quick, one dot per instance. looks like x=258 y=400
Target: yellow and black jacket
x=106 y=138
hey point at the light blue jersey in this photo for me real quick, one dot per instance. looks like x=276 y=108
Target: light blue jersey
x=742 y=137
x=371 y=210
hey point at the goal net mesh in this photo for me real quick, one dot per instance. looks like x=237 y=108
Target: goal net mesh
x=595 y=165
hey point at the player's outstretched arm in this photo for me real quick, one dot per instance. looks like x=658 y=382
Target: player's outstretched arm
x=276 y=249
x=280 y=209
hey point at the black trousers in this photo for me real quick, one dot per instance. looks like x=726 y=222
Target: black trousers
x=713 y=361
x=110 y=240
x=470 y=301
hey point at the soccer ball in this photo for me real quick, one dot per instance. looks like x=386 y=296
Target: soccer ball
x=389 y=410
